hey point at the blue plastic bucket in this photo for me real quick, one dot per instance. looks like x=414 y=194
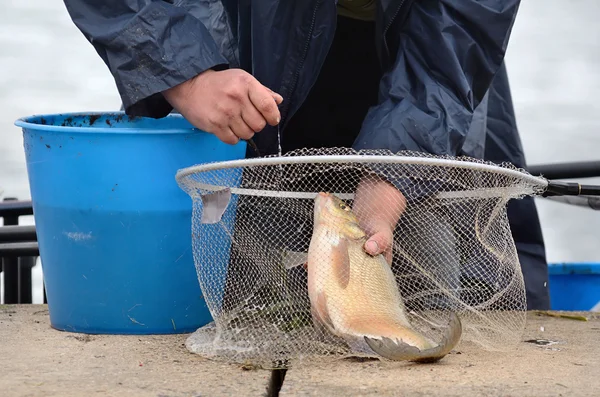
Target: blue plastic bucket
x=113 y=226
x=574 y=286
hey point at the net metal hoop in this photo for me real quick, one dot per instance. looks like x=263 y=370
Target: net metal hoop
x=539 y=182
x=451 y=255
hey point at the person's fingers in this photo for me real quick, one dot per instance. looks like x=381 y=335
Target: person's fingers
x=377 y=244
x=253 y=118
x=380 y=243
x=240 y=128
x=226 y=135
x=262 y=99
x=278 y=98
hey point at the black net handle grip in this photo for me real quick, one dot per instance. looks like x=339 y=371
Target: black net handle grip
x=557 y=188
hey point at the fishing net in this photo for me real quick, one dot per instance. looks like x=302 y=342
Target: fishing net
x=453 y=251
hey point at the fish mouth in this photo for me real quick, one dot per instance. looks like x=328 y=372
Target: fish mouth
x=322 y=198
x=322 y=202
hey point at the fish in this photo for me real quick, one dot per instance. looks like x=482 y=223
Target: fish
x=354 y=296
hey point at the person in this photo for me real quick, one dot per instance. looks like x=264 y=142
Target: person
x=423 y=75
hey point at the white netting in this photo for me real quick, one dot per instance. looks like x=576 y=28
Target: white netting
x=452 y=253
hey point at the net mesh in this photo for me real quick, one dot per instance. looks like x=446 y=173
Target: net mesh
x=452 y=252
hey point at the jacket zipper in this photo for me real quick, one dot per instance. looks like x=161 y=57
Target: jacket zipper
x=389 y=24
x=301 y=64
x=393 y=17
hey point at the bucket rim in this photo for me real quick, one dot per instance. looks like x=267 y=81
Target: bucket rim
x=26 y=122
x=581 y=268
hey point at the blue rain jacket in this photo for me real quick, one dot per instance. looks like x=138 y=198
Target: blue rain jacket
x=439 y=57
x=440 y=92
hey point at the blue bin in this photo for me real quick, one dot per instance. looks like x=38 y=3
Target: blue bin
x=574 y=286
x=113 y=226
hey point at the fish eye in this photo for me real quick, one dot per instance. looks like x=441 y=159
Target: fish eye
x=344 y=206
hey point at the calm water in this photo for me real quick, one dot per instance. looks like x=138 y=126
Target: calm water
x=553 y=60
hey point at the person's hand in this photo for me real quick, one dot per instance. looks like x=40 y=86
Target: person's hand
x=231 y=104
x=378 y=206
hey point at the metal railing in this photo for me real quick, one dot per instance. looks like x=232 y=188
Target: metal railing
x=18 y=252
x=19 y=247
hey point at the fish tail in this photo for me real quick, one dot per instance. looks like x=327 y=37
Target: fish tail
x=401 y=351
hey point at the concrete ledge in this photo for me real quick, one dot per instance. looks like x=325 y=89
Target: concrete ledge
x=36 y=360
x=570 y=367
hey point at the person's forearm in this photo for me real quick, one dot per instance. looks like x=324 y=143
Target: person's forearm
x=148 y=46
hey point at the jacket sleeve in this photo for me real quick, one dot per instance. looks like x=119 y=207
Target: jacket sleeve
x=148 y=46
x=448 y=54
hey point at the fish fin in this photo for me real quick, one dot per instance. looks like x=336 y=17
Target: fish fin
x=319 y=310
x=214 y=205
x=292 y=259
x=400 y=351
x=341 y=263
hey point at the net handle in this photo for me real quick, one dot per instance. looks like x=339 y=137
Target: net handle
x=559 y=188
